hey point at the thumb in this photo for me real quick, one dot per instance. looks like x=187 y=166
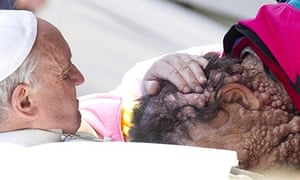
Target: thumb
x=151 y=87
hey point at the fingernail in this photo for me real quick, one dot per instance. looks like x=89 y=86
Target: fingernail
x=151 y=87
x=203 y=79
x=198 y=89
x=186 y=89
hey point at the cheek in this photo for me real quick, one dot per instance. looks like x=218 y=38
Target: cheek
x=223 y=131
x=219 y=121
x=60 y=92
x=214 y=128
x=54 y=100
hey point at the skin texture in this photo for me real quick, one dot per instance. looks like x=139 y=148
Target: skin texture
x=56 y=98
x=242 y=108
x=53 y=103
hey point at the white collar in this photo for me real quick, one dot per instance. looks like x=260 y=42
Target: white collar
x=30 y=137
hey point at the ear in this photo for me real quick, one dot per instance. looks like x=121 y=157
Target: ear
x=21 y=101
x=240 y=94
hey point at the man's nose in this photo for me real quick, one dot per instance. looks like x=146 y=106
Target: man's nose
x=78 y=77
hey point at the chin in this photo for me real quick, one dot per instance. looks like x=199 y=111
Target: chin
x=70 y=131
x=78 y=123
x=73 y=129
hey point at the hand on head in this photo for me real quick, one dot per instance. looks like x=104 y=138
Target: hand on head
x=186 y=72
x=183 y=70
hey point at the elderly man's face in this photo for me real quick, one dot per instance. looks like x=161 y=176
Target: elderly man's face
x=55 y=98
x=253 y=116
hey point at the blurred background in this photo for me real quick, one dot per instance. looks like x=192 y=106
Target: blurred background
x=107 y=37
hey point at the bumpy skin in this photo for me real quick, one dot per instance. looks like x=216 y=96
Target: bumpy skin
x=243 y=108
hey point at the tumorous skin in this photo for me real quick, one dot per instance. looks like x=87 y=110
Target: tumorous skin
x=243 y=108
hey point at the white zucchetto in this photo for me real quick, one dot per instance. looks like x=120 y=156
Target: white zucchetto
x=18 y=31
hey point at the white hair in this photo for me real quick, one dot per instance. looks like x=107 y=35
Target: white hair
x=23 y=75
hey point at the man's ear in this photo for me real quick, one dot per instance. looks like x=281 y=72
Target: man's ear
x=239 y=93
x=21 y=101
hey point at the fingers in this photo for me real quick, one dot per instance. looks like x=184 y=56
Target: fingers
x=189 y=72
x=182 y=75
x=163 y=70
x=199 y=59
x=182 y=70
x=151 y=87
x=198 y=72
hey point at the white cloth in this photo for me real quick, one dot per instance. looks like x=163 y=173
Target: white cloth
x=33 y=137
x=18 y=30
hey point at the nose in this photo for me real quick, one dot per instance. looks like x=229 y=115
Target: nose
x=78 y=78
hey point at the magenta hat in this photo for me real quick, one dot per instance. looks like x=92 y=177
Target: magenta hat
x=274 y=35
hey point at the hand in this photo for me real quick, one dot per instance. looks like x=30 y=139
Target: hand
x=183 y=70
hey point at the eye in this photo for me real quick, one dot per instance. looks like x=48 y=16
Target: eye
x=66 y=73
x=66 y=76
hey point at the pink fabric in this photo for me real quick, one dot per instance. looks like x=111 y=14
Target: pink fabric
x=278 y=26
x=103 y=112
